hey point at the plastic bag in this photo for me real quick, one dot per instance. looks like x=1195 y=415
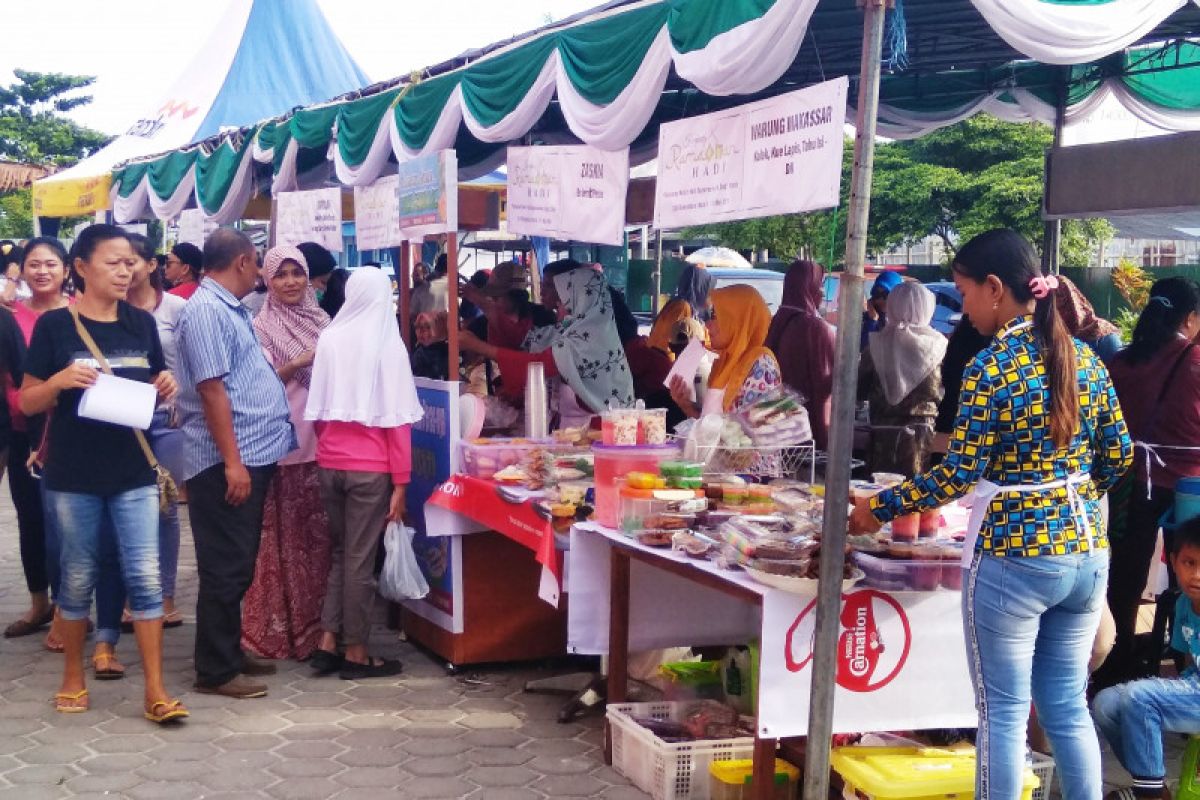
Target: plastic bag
x=401 y=578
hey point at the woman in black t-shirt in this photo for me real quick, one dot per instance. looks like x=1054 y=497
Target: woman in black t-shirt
x=96 y=471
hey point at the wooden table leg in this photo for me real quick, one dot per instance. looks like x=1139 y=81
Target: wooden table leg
x=763 y=786
x=618 y=637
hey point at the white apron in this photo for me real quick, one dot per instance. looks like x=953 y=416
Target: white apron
x=985 y=491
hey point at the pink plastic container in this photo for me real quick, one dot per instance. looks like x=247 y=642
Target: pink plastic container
x=931 y=523
x=613 y=463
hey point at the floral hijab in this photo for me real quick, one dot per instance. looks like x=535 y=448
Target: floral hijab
x=586 y=348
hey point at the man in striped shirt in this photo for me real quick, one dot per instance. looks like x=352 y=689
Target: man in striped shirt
x=236 y=427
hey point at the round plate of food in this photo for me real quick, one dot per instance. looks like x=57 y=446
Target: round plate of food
x=796 y=584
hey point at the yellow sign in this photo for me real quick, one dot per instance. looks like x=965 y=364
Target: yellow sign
x=72 y=197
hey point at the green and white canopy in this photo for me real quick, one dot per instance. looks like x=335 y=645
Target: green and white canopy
x=609 y=76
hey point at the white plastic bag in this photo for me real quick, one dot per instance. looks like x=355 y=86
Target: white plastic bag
x=401 y=578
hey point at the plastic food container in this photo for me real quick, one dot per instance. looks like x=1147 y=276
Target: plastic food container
x=731 y=780
x=922 y=571
x=652 y=426
x=619 y=426
x=670 y=509
x=930 y=524
x=483 y=458
x=906 y=528
x=912 y=773
x=613 y=463
x=952 y=573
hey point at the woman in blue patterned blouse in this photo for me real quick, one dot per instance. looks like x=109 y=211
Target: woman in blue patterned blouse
x=1039 y=437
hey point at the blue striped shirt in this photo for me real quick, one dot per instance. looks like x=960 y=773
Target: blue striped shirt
x=215 y=336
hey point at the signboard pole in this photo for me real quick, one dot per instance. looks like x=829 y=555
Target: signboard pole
x=841 y=434
x=658 y=256
x=535 y=275
x=404 y=283
x=452 y=293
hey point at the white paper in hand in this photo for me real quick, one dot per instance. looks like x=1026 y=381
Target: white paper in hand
x=119 y=401
x=687 y=363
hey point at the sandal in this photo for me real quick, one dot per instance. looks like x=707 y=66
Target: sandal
x=71 y=702
x=106 y=667
x=25 y=627
x=374 y=668
x=172 y=620
x=164 y=711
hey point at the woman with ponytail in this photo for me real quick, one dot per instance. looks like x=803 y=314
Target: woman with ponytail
x=1158 y=380
x=1039 y=437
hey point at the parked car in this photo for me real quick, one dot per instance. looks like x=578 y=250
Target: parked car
x=768 y=283
x=946 y=314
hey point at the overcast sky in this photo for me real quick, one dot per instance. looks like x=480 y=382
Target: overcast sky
x=137 y=47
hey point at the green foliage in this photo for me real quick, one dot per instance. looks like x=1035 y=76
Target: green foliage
x=16 y=214
x=31 y=128
x=954 y=183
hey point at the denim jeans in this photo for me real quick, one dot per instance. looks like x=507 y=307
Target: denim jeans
x=79 y=523
x=1134 y=716
x=167 y=444
x=110 y=588
x=1030 y=623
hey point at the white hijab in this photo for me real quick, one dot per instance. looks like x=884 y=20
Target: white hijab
x=361 y=373
x=907 y=349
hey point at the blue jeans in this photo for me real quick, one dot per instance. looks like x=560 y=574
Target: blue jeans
x=1030 y=623
x=110 y=589
x=1133 y=717
x=79 y=522
x=167 y=444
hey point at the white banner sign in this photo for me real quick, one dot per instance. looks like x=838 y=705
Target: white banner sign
x=194 y=227
x=902 y=664
x=777 y=156
x=377 y=214
x=314 y=216
x=574 y=193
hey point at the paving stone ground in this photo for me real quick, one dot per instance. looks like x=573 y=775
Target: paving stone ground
x=427 y=734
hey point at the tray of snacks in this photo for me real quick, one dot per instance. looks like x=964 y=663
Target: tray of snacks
x=794 y=576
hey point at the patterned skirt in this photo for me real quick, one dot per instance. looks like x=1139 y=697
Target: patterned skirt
x=281 y=614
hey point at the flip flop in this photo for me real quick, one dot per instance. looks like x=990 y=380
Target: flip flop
x=172 y=620
x=24 y=627
x=106 y=667
x=71 y=702
x=163 y=711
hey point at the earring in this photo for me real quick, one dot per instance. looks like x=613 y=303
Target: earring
x=996 y=305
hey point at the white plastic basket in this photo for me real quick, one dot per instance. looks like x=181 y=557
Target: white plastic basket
x=1042 y=766
x=664 y=770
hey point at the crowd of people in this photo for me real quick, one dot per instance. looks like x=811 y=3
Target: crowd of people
x=286 y=396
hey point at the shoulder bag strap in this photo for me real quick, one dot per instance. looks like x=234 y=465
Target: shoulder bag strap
x=90 y=343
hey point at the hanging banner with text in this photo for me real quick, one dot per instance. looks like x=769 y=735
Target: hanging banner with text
x=377 y=214
x=574 y=193
x=428 y=194
x=194 y=227
x=901 y=663
x=777 y=156
x=314 y=216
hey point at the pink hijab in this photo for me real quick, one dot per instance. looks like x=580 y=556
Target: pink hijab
x=286 y=331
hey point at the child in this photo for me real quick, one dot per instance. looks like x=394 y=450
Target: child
x=1134 y=715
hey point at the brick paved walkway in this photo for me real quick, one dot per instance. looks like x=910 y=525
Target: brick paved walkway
x=424 y=735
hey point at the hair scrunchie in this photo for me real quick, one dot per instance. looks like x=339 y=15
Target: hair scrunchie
x=1043 y=285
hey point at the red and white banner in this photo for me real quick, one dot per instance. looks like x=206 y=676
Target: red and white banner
x=902 y=663
x=463 y=497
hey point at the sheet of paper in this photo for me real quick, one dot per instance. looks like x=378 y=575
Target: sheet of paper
x=119 y=401
x=687 y=363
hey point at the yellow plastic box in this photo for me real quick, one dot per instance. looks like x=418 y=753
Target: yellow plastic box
x=731 y=780
x=912 y=773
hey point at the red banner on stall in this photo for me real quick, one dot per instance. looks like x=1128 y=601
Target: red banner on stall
x=488 y=504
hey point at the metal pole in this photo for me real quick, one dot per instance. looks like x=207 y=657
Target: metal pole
x=404 y=278
x=1052 y=236
x=841 y=433
x=452 y=291
x=658 y=256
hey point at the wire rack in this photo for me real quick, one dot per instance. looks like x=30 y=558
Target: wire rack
x=793 y=461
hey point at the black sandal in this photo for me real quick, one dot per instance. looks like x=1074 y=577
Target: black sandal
x=324 y=662
x=374 y=668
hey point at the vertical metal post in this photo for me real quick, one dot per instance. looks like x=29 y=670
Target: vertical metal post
x=452 y=293
x=841 y=432
x=658 y=257
x=404 y=280
x=1052 y=231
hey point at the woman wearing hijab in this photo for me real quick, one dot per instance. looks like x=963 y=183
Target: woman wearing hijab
x=363 y=401
x=431 y=356
x=875 y=317
x=900 y=375
x=690 y=300
x=745 y=370
x=583 y=349
x=803 y=342
x=282 y=610
x=1082 y=323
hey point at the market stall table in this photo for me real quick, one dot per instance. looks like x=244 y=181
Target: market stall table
x=902 y=660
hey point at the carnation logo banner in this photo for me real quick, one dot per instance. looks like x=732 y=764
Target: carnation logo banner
x=902 y=664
